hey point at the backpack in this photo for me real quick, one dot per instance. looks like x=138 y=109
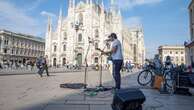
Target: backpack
x=39 y=62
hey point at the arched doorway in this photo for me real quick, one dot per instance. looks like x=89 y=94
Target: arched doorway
x=64 y=61
x=96 y=60
x=54 y=62
x=79 y=59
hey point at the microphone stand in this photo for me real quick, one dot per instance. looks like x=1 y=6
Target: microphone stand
x=86 y=65
x=100 y=82
x=101 y=88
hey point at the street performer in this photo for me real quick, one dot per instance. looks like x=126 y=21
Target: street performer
x=117 y=59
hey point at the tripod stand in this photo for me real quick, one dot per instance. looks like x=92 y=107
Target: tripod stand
x=99 y=88
x=86 y=64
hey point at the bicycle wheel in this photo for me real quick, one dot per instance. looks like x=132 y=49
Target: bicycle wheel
x=168 y=76
x=144 y=77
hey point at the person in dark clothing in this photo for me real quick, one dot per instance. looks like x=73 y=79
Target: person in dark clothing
x=45 y=66
x=42 y=65
x=39 y=65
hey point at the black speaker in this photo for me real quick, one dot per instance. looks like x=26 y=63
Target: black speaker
x=128 y=99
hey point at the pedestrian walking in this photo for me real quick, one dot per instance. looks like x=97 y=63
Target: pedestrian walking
x=39 y=65
x=126 y=66
x=129 y=67
x=42 y=65
x=45 y=65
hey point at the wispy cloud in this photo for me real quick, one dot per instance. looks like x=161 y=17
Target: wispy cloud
x=35 y=4
x=45 y=13
x=129 y=4
x=134 y=21
x=16 y=19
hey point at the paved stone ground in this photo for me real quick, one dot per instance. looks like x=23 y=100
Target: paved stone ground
x=24 y=71
x=30 y=92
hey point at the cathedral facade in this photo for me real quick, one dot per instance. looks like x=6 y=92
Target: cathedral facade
x=85 y=28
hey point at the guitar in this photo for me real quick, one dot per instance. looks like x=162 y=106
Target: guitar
x=102 y=51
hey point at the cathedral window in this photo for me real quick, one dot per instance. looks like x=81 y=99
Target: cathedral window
x=64 y=61
x=5 y=50
x=182 y=59
x=96 y=60
x=80 y=38
x=55 y=48
x=65 y=35
x=81 y=19
x=96 y=45
x=64 y=47
x=96 y=33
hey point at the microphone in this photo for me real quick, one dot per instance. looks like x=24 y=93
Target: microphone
x=107 y=40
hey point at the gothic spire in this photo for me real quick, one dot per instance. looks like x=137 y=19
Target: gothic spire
x=90 y=2
x=60 y=19
x=119 y=13
x=60 y=13
x=87 y=1
x=71 y=3
x=49 y=25
x=102 y=3
x=112 y=2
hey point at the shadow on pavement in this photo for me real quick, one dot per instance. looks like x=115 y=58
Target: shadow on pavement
x=79 y=100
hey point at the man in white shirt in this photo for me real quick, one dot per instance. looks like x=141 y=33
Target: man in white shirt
x=117 y=59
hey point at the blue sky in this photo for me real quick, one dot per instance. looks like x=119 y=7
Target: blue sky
x=165 y=22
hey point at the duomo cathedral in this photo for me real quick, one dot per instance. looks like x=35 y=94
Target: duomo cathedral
x=85 y=28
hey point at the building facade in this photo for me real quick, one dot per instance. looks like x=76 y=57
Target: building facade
x=133 y=45
x=87 y=21
x=18 y=48
x=190 y=45
x=177 y=54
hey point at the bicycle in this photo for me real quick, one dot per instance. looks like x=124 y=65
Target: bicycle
x=146 y=76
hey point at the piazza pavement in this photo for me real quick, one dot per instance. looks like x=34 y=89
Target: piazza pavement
x=24 y=91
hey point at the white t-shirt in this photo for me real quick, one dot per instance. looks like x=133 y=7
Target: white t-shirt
x=118 y=54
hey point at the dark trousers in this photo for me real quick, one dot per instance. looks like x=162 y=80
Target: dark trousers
x=117 y=65
x=46 y=69
x=41 y=70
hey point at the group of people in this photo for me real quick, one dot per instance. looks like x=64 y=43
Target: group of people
x=29 y=64
x=159 y=65
x=128 y=66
